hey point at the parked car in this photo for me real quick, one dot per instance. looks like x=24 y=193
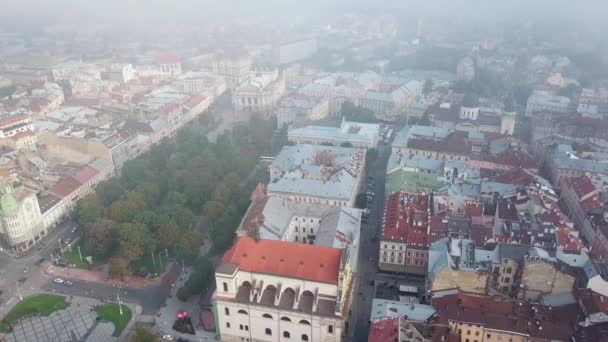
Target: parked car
x=68 y=283
x=168 y=338
x=58 y=280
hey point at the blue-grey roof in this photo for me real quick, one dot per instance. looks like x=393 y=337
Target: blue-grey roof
x=413 y=161
x=389 y=308
x=352 y=132
x=499 y=188
x=573 y=260
x=407 y=132
x=558 y=299
x=565 y=161
x=302 y=175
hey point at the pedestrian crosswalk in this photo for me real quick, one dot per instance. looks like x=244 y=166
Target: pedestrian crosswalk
x=146 y=319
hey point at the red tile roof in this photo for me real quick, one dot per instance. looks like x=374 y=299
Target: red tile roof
x=170 y=107
x=12 y=119
x=258 y=192
x=513 y=159
x=406 y=218
x=592 y=302
x=20 y=135
x=535 y=320
x=473 y=208
x=194 y=101
x=85 y=174
x=515 y=176
x=582 y=186
x=568 y=240
x=65 y=186
x=168 y=58
x=286 y=259
x=384 y=330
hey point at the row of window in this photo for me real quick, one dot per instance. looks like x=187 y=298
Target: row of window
x=304 y=230
x=330 y=328
x=268 y=331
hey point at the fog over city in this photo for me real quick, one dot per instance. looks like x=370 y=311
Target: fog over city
x=288 y=170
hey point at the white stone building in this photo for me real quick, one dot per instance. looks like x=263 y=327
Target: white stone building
x=318 y=174
x=544 y=101
x=20 y=218
x=280 y=291
x=355 y=133
x=122 y=73
x=261 y=92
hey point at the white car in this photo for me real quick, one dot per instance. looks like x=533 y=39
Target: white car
x=168 y=337
x=58 y=280
x=68 y=283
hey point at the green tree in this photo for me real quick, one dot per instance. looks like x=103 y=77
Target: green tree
x=142 y=334
x=357 y=113
x=134 y=238
x=89 y=210
x=100 y=237
x=125 y=210
x=117 y=268
x=213 y=210
x=109 y=191
x=168 y=234
x=188 y=246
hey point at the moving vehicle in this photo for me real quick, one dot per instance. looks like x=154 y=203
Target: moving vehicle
x=58 y=280
x=168 y=338
x=68 y=283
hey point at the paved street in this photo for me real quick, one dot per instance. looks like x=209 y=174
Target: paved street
x=13 y=268
x=150 y=298
x=368 y=252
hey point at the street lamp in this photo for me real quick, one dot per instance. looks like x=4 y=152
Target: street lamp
x=119 y=302
x=19 y=290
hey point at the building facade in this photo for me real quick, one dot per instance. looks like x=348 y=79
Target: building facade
x=20 y=218
x=298 y=292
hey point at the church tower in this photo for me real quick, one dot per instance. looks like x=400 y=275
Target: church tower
x=469 y=108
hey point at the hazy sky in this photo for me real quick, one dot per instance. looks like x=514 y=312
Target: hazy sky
x=35 y=12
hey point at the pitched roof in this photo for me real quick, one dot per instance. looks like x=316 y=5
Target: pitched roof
x=65 y=186
x=85 y=174
x=592 y=302
x=168 y=58
x=406 y=218
x=286 y=259
x=384 y=330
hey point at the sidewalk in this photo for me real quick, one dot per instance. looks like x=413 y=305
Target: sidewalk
x=164 y=322
x=98 y=275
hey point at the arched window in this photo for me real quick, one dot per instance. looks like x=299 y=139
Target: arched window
x=286 y=319
x=304 y=337
x=286 y=334
x=225 y=286
x=243 y=312
x=304 y=322
x=267 y=316
x=269 y=332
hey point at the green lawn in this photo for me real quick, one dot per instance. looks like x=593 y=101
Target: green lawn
x=72 y=257
x=111 y=313
x=42 y=304
x=147 y=264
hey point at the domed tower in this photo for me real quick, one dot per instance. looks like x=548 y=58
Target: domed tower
x=509 y=115
x=469 y=108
